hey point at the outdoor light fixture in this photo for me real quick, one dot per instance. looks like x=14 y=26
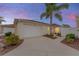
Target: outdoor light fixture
x=57 y=30
x=48 y=30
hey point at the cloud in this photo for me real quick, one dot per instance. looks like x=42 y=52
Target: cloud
x=71 y=16
x=20 y=13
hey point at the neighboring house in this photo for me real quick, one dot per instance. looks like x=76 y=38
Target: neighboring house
x=66 y=26
x=65 y=31
x=8 y=28
x=1 y=29
x=77 y=21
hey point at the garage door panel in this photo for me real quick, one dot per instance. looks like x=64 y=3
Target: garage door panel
x=29 y=31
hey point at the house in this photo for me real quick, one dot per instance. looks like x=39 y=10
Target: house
x=77 y=21
x=28 y=28
x=8 y=28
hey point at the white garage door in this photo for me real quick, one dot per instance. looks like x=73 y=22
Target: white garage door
x=25 y=31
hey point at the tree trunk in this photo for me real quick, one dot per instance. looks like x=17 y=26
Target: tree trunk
x=51 y=25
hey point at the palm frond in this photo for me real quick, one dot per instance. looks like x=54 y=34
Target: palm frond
x=48 y=4
x=59 y=16
x=47 y=16
x=63 y=6
x=42 y=15
x=53 y=8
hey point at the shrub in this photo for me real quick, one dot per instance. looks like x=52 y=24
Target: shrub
x=78 y=30
x=8 y=40
x=8 y=34
x=70 y=37
x=12 y=39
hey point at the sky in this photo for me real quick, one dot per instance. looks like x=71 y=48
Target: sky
x=10 y=11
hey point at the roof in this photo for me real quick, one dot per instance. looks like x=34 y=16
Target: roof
x=66 y=26
x=33 y=22
x=8 y=25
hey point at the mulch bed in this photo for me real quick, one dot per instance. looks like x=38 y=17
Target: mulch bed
x=50 y=36
x=74 y=44
x=9 y=48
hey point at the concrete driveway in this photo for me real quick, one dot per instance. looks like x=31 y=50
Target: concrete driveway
x=42 y=46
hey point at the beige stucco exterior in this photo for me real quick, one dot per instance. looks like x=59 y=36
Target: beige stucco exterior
x=29 y=28
x=77 y=21
x=1 y=29
x=7 y=28
x=25 y=30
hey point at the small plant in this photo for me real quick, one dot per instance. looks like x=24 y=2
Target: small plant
x=11 y=39
x=78 y=30
x=70 y=38
x=8 y=34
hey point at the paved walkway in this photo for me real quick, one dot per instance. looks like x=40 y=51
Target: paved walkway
x=42 y=46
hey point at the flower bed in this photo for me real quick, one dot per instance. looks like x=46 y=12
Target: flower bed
x=50 y=36
x=9 y=48
x=74 y=44
x=9 y=42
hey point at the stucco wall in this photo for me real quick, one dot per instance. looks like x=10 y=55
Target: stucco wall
x=65 y=31
x=0 y=29
x=7 y=29
x=25 y=30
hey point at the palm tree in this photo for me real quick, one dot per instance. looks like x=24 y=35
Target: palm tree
x=53 y=9
x=1 y=20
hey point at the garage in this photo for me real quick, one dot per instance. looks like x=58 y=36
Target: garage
x=26 y=29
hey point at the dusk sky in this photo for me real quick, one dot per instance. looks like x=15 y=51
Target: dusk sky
x=33 y=12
